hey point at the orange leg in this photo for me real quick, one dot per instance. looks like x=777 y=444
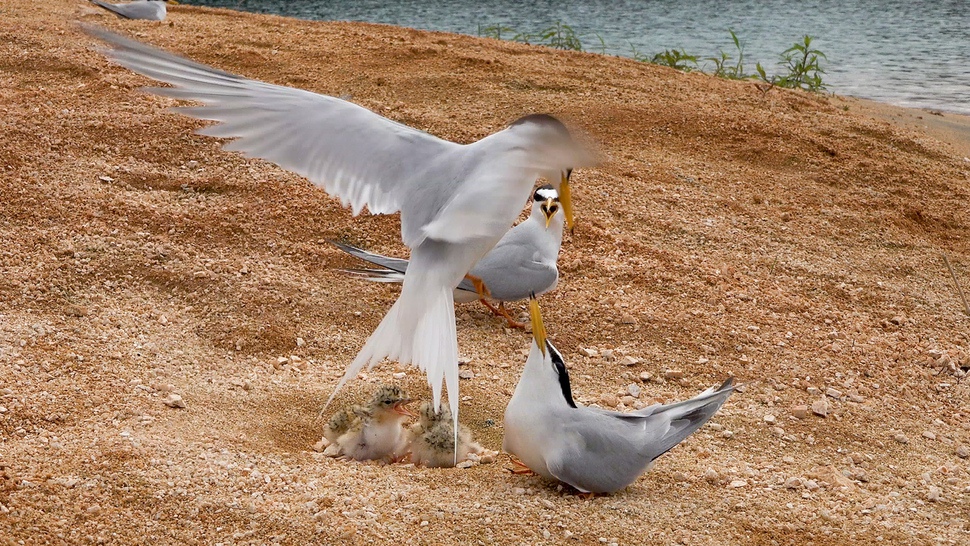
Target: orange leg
x=480 y=287
x=501 y=311
x=518 y=467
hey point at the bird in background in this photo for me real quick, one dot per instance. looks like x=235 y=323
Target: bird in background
x=432 y=439
x=456 y=200
x=150 y=10
x=591 y=449
x=374 y=432
x=523 y=262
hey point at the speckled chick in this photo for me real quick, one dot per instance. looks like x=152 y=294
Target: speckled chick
x=432 y=439
x=342 y=421
x=378 y=434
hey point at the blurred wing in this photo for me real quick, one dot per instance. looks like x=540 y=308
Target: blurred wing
x=136 y=10
x=353 y=153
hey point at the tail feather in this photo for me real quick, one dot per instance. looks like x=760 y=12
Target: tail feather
x=110 y=8
x=689 y=415
x=375 y=275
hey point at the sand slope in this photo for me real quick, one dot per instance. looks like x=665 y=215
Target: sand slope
x=785 y=238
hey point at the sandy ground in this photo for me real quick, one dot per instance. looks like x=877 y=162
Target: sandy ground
x=792 y=240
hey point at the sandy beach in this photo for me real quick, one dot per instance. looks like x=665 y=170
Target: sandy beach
x=794 y=241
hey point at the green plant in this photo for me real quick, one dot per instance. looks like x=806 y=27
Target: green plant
x=558 y=36
x=494 y=31
x=804 y=69
x=724 y=70
x=676 y=59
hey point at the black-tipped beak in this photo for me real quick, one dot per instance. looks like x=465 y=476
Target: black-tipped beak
x=538 y=329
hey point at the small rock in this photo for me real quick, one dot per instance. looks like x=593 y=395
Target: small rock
x=518 y=491
x=173 y=400
x=679 y=476
x=769 y=418
x=738 y=483
x=466 y=374
x=646 y=377
x=547 y=503
x=588 y=352
x=465 y=464
x=711 y=476
x=800 y=412
x=191 y=164
x=94 y=509
x=933 y=495
x=962 y=451
x=833 y=393
x=300 y=342
x=794 y=483
x=673 y=374
x=332 y=450
x=401 y=375
x=633 y=389
x=727 y=434
x=929 y=435
x=607 y=355
x=163 y=319
x=629 y=361
x=486 y=458
x=778 y=431
x=811 y=485
x=856 y=457
x=628 y=400
x=628 y=319
x=820 y=407
x=901 y=438
x=321 y=446
x=609 y=400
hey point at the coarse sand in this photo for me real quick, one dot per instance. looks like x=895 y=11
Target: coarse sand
x=792 y=240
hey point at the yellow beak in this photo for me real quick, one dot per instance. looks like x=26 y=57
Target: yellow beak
x=545 y=210
x=538 y=330
x=565 y=197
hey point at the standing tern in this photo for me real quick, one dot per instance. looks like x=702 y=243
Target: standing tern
x=593 y=450
x=522 y=263
x=151 y=10
x=456 y=200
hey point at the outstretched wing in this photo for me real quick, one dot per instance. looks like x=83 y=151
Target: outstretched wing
x=354 y=154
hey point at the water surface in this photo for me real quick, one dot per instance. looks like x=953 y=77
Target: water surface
x=909 y=53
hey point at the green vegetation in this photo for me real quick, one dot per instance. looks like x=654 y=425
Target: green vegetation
x=802 y=62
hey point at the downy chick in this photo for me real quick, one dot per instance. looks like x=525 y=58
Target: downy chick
x=379 y=433
x=432 y=439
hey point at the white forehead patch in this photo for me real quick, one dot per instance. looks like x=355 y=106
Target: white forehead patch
x=546 y=192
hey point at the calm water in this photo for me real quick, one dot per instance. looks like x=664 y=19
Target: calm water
x=910 y=53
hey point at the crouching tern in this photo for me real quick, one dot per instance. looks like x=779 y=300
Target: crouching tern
x=456 y=200
x=151 y=10
x=522 y=263
x=593 y=450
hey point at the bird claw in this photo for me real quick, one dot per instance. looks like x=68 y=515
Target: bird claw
x=501 y=311
x=518 y=467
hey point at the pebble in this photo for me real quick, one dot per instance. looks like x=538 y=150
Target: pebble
x=173 y=400
x=856 y=457
x=402 y=375
x=607 y=355
x=673 y=374
x=800 y=412
x=609 y=400
x=633 y=389
x=300 y=342
x=778 y=431
x=933 y=495
x=820 y=407
x=811 y=485
x=646 y=377
x=769 y=418
x=629 y=361
x=332 y=450
x=738 y=483
x=679 y=476
x=929 y=435
x=794 y=483
x=962 y=451
x=547 y=503
x=727 y=434
x=466 y=374
x=628 y=319
x=588 y=352
x=321 y=446
x=833 y=393
x=465 y=464
x=711 y=475
x=901 y=438
x=518 y=491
